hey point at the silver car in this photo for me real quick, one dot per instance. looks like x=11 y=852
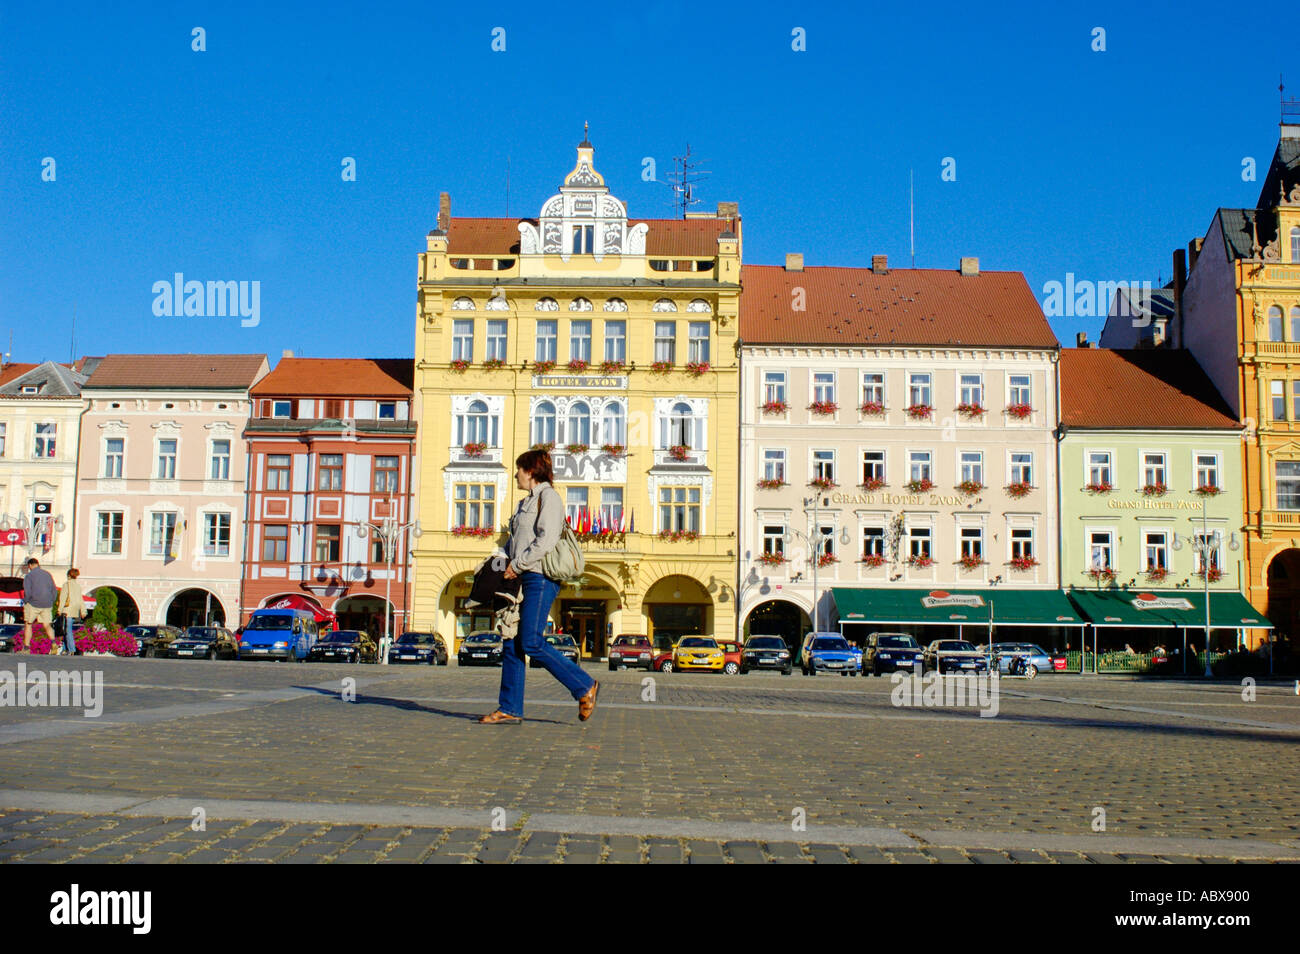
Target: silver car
x=1036 y=658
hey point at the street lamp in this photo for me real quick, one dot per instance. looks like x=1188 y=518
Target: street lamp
x=1206 y=546
x=814 y=538
x=388 y=531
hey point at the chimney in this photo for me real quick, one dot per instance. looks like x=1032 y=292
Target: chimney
x=794 y=262
x=728 y=210
x=880 y=264
x=1081 y=339
x=286 y=353
x=969 y=266
x=1194 y=252
x=444 y=211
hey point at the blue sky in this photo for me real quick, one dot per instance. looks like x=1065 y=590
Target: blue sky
x=225 y=164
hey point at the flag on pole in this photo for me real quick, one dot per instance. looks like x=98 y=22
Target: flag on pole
x=175 y=551
x=631 y=527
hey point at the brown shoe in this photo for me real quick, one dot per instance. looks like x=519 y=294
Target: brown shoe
x=499 y=717
x=587 y=704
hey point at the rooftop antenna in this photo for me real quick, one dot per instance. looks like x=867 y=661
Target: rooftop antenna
x=72 y=345
x=683 y=179
x=1290 y=108
x=507 y=186
x=911 y=213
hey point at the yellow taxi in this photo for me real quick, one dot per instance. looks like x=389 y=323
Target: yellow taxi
x=698 y=652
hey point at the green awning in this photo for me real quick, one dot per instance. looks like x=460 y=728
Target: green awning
x=967 y=606
x=1228 y=610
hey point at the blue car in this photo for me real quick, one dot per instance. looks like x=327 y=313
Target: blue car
x=828 y=652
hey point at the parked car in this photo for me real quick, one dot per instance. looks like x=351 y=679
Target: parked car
x=1036 y=658
x=697 y=652
x=631 y=650
x=344 y=645
x=954 y=655
x=889 y=652
x=280 y=633
x=828 y=652
x=662 y=660
x=563 y=644
x=418 y=648
x=480 y=648
x=152 y=640
x=765 y=652
x=7 y=633
x=731 y=651
x=204 y=642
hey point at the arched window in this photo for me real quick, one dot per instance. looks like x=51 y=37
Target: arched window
x=544 y=423
x=678 y=427
x=547 y=304
x=665 y=304
x=613 y=424
x=477 y=426
x=579 y=429
x=1275 y=324
x=1295 y=323
x=699 y=304
x=1295 y=246
x=463 y=304
x=580 y=304
x=615 y=304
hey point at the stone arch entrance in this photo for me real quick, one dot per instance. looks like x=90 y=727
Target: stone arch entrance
x=128 y=611
x=778 y=618
x=365 y=613
x=677 y=606
x=1284 y=593
x=192 y=607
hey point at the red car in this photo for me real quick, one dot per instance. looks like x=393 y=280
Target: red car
x=732 y=649
x=631 y=650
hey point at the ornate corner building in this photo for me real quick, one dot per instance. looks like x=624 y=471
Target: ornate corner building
x=612 y=341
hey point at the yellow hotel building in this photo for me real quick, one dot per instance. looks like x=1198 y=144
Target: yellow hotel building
x=614 y=341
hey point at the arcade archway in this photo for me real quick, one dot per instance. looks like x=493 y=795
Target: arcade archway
x=192 y=607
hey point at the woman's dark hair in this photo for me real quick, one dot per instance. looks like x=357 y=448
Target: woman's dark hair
x=537 y=463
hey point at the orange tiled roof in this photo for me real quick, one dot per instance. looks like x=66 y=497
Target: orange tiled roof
x=902 y=306
x=339 y=377
x=177 y=371
x=1154 y=388
x=697 y=238
x=15 y=370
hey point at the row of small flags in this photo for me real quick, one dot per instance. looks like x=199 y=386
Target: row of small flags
x=588 y=521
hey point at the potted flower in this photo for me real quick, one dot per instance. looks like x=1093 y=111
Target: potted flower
x=1019 y=488
x=1208 y=490
x=575 y=448
x=1154 y=490
x=672 y=536
x=1023 y=563
x=771 y=483
x=459 y=365
x=970 y=409
x=661 y=367
x=771 y=559
x=613 y=450
x=919 y=486
x=547 y=446
x=872 y=483
x=612 y=367
x=823 y=407
x=577 y=366
x=474 y=449
x=1105 y=575
x=823 y=483
x=1101 y=487
x=920 y=561
x=1156 y=574
x=544 y=367
x=1215 y=574
x=493 y=364
x=463 y=531
x=775 y=407
x=697 y=368
x=873 y=560
x=826 y=559
x=970 y=487
x=872 y=407
x=971 y=561
x=1019 y=411
x=919 y=412
x=679 y=452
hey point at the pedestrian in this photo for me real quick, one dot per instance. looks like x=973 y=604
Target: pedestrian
x=534 y=531
x=70 y=609
x=38 y=600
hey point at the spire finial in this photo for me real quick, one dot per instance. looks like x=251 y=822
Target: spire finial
x=586 y=143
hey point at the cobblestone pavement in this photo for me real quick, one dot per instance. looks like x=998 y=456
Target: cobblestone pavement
x=706 y=769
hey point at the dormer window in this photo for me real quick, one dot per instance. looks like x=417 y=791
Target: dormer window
x=282 y=409
x=387 y=410
x=30 y=389
x=583 y=239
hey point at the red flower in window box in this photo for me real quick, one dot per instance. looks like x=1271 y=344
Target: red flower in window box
x=771 y=559
x=1154 y=490
x=920 y=562
x=1156 y=574
x=459 y=366
x=919 y=486
x=576 y=448
x=474 y=450
x=873 y=560
x=612 y=367
x=493 y=364
x=970 y=487
x=1104 y=487
x=872 y=483
x=679 y=452
x=823 y=407
x=1208 y=490
x=775 y=407
x=871 y=407
x=771 y=483
x=544 y=367
x=1019 y=411
x=1215 y=574
x=697 y=368
x=970 y=562
x=613 y=450
x=472 y=531
x=970 y=410
x=577 y=366
x=920 y=412
x=661 y=367
x=1102 y=576
x=548 y=446
x=826 y=559
x=673 y=536
x=822 y=483
x=1019 y=489
x=1022 y=563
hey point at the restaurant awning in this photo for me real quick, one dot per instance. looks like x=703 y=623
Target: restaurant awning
x=1134 y=608
x=955 y=607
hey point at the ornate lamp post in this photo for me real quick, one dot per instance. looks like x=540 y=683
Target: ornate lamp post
x=389 y=532
x=1206 y=546
x=814 y=539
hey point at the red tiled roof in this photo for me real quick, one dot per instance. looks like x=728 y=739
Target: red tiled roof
x=697 y=238
x=1154 y=388
x=339 y=377
x=903 y=306
x=12 y=371
x=177 y=371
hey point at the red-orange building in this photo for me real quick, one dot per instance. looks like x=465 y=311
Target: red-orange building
x=330 y=444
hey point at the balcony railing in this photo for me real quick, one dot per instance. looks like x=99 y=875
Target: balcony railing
x=1285 y=518
x=1278 y=349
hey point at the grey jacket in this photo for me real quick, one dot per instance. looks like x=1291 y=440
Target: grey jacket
x=39 y=589
x=535 y=528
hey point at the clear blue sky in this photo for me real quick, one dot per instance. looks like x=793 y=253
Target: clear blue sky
x=225 y=164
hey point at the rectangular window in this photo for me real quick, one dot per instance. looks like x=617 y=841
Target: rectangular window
x=1295 y=400
x=332 y=409
x=611 y=507
x=1207 y=470
x=1287 y=478
x=475 y=505
x=162 y=531
x=108 y=532
x=462 y=339
x=278 y=467
x=167 y=460
x=1278 y=393
x=918 y=465
x=45 y=437
x=666 y=341
x=1022 y=468
x=2 y=439
x=972 y=467
x=679 y=509
x=547 y=334
x=972 y=543
x=774 y=540
x=1210 y=541
x=873 y=466
x=873 y=542
x=918 y=542
x=616 y=341
x=918 y=390
x=1155 y=551
x=385 y=475
x=1099 y=551
x=873 y=388
x=114 y=452
x=1020 y=390
x=282 y=409
x=972 y=389
x=697 y=342
x=824 y=387
x=575 y=504
x=1099 y=467
x=583 y=237
x=330 y=472
x=328 y=536
x=1153 y=470
x=774 y=464
x=496 y=339
x=823 y=465
x=216 y=534
x=825 y=541
x=580 y=340
x=275 y=543
x=387 y=411
x=220 y=469
x=1022 y=543
x=774 y=387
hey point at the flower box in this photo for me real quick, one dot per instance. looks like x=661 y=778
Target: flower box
x=970 y=487
x=679 y=452
x=576 y=448
x=970 y=410
x=661 y=367
x=474 y=450
x=459 y=366
x=1156 y=574
x=771 y=559
x=1215 y=574
x=970 y=562
x=919 y=486
x=872 y=560
x=1208 y=490
x=823 y=483
x=771 y=483
x=494 y=364
x=871 y=407
x=673 y=536
x=1020 y=488
x=823 y=407
x=613 y=450
x=548 y=446
x=1154 y=490
x=697 y=368
x=775 y=407
x=612 y=367
x=1101 y=488
x=577 y=366
x=872 y=483
x=826 y=559
x=1019 y=411
x=544 y=367
x=1022 y=563
x=472 y=531
x=1100 y=576
x=920 y=562
x=920 y=412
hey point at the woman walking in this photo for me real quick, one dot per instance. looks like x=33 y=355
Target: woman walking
x=534 y=532
x=70 y=609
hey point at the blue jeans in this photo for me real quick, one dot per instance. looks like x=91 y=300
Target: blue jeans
x=539 y=593
x=69 y=642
